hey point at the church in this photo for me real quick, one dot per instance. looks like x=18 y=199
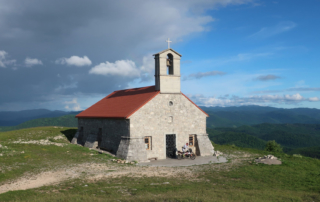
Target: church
x=147 y=123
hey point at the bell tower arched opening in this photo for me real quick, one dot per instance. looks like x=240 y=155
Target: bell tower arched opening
x=170 y=64
x=167 y=71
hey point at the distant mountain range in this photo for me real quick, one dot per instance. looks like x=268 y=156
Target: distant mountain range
x=251 y=115
x=218 y=116
x=13 y=118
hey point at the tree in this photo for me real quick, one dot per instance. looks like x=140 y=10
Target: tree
x=272 y=146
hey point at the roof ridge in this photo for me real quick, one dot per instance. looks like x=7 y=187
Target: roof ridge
x=133 y=88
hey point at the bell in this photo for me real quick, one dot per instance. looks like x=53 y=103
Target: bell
x=168 y=63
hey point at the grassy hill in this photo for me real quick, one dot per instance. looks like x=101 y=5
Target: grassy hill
x=297 y=179
x=290 y=136
x=238 y=139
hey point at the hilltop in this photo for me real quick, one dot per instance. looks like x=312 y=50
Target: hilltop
x=43 y=161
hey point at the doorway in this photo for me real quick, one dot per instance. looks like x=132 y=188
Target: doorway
x=171 y=146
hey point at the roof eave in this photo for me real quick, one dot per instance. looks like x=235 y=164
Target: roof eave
x=195 y=104
x=167 y=50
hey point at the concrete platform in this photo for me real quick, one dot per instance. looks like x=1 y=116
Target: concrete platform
x=184 y=162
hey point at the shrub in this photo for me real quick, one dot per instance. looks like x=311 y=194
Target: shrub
x=272 y=146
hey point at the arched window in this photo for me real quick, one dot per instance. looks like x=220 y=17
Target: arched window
x=170 y=64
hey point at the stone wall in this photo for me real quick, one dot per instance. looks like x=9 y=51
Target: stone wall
x=204 y=146
x=131 y=149
x=112 y=130
x=157 y=118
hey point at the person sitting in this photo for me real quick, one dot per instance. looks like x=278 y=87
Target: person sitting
x=185 y=148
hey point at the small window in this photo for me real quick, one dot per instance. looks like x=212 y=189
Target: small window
x=147 y=143
x=170 y=103
x=191 y=140
x=170 y=119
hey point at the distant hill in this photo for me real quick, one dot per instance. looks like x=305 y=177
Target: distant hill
x=294 y=138
x=313 y=152
x=219 y=116
x=13 y=118
x=251 y=115
x=238 y=139
x=66 y=121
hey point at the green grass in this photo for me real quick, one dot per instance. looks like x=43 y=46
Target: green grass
x=297 y=179
x=37 y=158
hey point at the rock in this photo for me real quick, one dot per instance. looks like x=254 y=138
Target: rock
x=132 y=163
x=0 y=146
x=127 y=161
x=22 y=152
x=85 y=185
x=1 y=154
x=166 y=183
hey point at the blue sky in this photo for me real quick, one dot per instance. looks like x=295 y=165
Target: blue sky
x=67 y=55
x=276 y=41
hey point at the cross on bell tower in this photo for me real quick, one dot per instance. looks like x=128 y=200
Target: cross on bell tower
x=167 y=70
x=168 y=41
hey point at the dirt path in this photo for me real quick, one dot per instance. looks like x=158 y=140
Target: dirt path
x=93 y=171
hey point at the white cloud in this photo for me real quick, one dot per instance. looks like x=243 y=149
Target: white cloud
x=75 y=60
x=29 y=62
x=199 y=75
x=271 y=31
x=73 y=105
x=125 y=68
x=225 y=101
x=304 y=89
x=314 y=99
x=2 y=58
x=267 y=77
x=4 y=61
x=241 y=57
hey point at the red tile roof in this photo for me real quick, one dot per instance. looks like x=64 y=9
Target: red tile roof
x=122 y=103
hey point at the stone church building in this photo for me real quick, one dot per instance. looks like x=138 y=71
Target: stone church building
x=148 y=122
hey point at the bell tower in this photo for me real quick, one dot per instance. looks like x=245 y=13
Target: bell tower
x=167 y=71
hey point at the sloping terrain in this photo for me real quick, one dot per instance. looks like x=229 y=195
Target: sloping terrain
x=290 y=136
x=39 y=164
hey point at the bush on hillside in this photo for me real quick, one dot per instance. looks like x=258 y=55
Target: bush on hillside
x=272 y=146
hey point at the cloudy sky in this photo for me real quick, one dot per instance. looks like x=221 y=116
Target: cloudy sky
x=68 y=54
